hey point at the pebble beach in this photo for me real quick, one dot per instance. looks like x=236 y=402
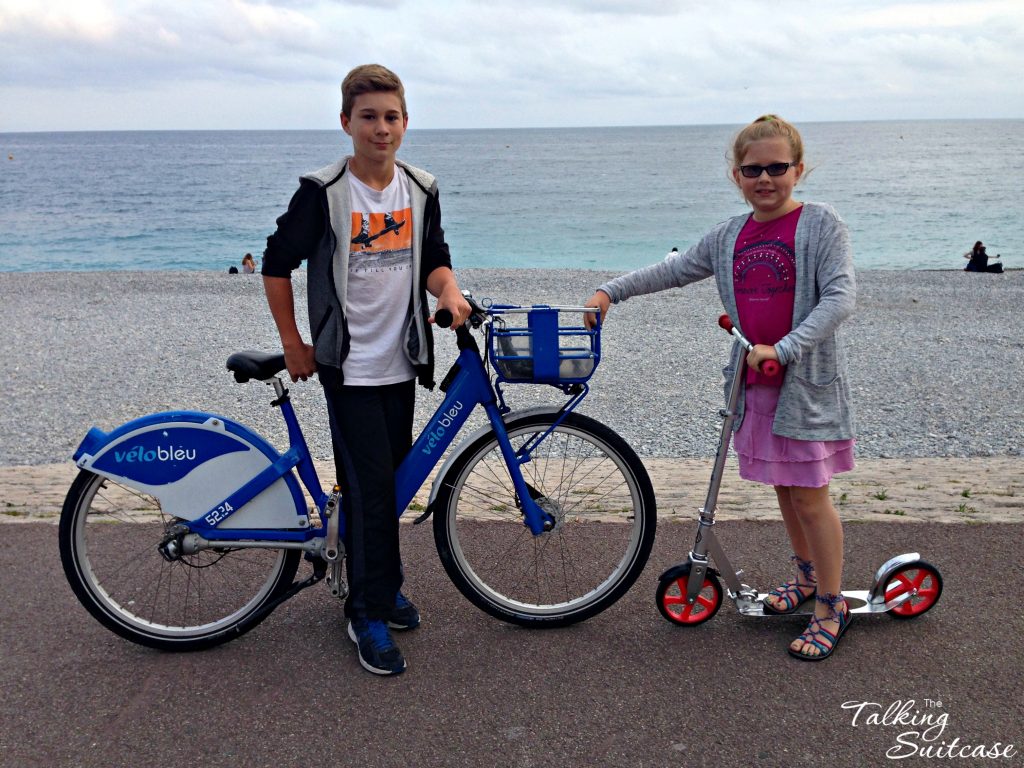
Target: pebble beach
x=935 y=358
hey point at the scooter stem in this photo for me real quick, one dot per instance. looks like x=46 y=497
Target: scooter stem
x=706 y=540
x=728 y=415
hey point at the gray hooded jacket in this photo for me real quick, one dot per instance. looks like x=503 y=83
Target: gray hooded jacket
x=318 y=227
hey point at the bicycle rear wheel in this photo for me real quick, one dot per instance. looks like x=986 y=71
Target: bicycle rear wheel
x=589 y=480
x=108 y=546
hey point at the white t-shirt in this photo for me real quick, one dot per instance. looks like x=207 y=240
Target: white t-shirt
x=379 y=283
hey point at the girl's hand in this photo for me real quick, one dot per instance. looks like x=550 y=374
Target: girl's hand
x=603 y=302
x=759 y=354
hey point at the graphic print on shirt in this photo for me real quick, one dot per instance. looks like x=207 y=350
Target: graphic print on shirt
x=763 y=270
x=764 y=283
x=383 y=241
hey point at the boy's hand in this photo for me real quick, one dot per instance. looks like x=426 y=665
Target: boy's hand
x=603 y=302
x=451 y=298
x=301 y=360
x=298 y=356
x=442 y=284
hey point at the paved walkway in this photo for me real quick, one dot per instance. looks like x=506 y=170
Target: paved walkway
x=622 y=689
x=976 y=490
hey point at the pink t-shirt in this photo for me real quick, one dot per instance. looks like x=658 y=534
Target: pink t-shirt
x=764 y=279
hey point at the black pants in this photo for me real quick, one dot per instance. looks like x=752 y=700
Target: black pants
x=371 y=428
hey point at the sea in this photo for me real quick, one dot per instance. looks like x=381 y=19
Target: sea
x=915 y=194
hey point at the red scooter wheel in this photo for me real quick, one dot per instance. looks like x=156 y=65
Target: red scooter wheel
x=924 y=583
x=672 y=598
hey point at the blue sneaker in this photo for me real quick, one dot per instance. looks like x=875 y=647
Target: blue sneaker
x=404 y=616
x=377 y=651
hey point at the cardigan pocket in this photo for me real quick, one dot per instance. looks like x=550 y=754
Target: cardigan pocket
x=810 y=405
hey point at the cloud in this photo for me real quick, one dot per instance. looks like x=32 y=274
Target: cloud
x=137 y=44
x=59 y=21
x=518 y=62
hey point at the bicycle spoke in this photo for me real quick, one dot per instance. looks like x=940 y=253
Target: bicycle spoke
x=109 y=544
x=592 y=498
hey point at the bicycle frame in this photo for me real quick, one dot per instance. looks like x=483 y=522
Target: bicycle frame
x=466 y=385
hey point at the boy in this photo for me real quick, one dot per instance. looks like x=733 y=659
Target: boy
x=370 y=228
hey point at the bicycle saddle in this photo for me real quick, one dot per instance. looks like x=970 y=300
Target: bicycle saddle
x=255 y=365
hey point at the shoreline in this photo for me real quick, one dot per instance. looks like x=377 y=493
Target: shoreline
x=459 y=270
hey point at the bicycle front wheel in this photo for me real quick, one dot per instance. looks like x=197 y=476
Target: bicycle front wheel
x=108 y=546
x=589 y=480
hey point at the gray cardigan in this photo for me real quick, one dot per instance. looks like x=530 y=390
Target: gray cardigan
x=814 y=403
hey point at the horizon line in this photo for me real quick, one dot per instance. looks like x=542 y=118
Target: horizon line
x=516 y=128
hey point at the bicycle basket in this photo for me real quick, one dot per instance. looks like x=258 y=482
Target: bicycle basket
x=531 y=345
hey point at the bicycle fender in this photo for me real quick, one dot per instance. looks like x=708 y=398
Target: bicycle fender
x=464 y=445
x=191 y=462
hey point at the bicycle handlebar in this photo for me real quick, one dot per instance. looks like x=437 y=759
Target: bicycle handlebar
x=768 y=367
x=443 y=318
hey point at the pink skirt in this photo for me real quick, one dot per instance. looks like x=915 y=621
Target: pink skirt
x=765 y=457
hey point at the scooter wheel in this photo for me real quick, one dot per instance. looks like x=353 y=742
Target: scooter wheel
x=920 y=578
x=672 y=603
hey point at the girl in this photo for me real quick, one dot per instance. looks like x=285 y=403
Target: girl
x=785 y=276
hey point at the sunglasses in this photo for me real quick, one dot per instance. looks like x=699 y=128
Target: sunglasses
x=775 y=169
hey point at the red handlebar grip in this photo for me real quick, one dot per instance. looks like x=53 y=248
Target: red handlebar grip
x=770 y=367
x=725 y=323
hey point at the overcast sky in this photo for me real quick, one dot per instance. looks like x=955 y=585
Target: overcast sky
x=175 y=64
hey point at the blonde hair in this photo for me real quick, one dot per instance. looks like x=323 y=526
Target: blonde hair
x=767 y=127
x=370 y=78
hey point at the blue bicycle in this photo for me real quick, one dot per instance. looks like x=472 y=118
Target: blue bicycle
x=184 y=530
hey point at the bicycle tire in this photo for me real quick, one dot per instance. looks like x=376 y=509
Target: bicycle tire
x=601 y=496
x=108 y=546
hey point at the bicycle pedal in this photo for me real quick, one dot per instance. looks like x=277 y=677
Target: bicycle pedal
x=335 y=581
x=339 y=589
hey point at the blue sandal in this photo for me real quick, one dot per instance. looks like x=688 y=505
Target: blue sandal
x=819 y=637
x=793 y=593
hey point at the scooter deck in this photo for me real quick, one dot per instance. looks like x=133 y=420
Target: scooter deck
x=857 y=600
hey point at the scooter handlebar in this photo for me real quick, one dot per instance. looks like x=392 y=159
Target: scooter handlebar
x=768 y=367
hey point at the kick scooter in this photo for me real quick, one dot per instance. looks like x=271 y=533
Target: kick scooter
x=690 y=593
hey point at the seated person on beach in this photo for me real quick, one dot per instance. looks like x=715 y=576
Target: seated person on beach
x=248 y=264
x=979 y=260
